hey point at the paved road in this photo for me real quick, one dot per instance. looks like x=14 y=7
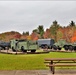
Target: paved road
x=39 y=72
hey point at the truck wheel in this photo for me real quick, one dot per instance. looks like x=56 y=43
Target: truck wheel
x=33 y=50
x=46 y=47
x=4 y=48
x=54 y=47
x=43 y=47
x=70 y=48
x=25 y=51
x=13 y=49
x=66 y=47
x=59 y=48
x=75 y=48
x=22 y=49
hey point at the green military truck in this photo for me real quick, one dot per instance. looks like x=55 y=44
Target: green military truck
x=63 y=44
x=59 y=44
x=23 y=45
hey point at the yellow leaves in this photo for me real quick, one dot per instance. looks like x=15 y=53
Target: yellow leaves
x=28 y=37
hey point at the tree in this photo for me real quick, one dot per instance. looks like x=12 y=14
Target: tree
x=26 y=33
x=47 y=33
x=73 y=39
x=35 y=31
x=59 y=34
x=72 y=23
x=34 y=36
x=41 y=30
x=17 y=36
x=53 y=29
x=28 y=37
x=69 y=31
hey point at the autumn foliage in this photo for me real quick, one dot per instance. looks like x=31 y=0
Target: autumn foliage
x=73 y=39
x=55 y=31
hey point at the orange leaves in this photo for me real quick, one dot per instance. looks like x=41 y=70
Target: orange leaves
x=28 y=37
x=34 y=36
x=17 y=36
x=68 y=33
x=73 y=39
x=47 y=33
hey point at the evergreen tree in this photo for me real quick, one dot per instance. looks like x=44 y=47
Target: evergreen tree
x=26 y=33
x=53 y=29
x=41 y=30
x=72 y=24
x=35 y=30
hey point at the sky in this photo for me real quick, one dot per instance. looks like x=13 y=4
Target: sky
x=23 y=16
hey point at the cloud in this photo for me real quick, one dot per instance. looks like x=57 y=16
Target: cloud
x=28 y=15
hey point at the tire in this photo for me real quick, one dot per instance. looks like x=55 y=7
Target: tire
x=33 y=51
x=25 y=51
x=70 y=48
x=13 y=49
x=46 y=47
x=66 y=47
x=43 y=47
x=54 y=47
x=59 y=48
x=75 y=48
x=22 y=48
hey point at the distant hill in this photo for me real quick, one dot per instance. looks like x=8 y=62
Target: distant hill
x=9 y=35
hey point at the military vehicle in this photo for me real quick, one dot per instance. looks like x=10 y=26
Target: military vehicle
x=4 y=45
x=63 y=44
x=45 y=43
x=24 y=45
x=73 y=46
x=59 y=44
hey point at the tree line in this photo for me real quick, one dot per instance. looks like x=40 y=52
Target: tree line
x=58 y=32
x=55 y=31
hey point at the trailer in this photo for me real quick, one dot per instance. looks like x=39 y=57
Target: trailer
x=45 y=43
x=24 y=45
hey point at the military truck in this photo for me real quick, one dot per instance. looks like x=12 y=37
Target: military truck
x=70 y=46
x=4 y=45
x=63 y=44
x=45 y=43
x=24 y=45
x=59 y=44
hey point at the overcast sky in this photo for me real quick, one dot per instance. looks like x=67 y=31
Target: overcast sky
x=28 y=15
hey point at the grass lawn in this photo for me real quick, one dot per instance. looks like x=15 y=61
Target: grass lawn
x=29 y=61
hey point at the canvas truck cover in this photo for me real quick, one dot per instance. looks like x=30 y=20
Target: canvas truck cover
x=45 y=42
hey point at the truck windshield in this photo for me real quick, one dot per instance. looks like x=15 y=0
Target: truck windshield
x=21 y=40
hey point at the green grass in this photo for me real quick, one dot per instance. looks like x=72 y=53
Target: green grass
x=29 y=61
